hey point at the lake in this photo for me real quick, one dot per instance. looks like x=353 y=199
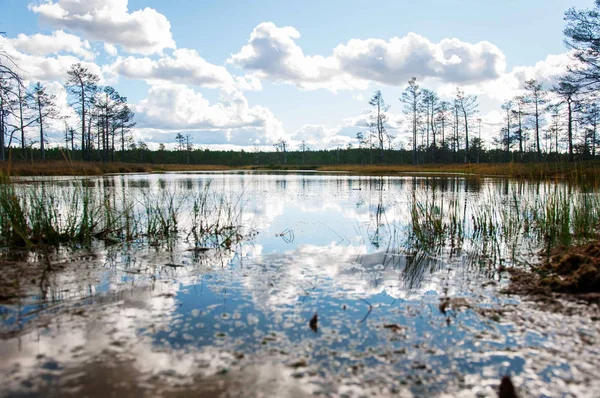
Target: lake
x=404 y=274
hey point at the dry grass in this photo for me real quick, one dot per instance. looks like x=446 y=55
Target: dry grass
x=577 y=171
x=584 y=170
x=187 y=167
x=64 y=168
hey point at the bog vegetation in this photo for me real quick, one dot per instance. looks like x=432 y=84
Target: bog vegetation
x=48 y=213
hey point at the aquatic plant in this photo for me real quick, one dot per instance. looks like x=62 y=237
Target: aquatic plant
x=494 y=229
x=51 y=213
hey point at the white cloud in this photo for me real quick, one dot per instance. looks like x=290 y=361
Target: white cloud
x=248 y=83
x=512 y=83
x=395 y=61
x=315 y=136
x=323 y=137
x=172 y=108
x=272 y=53
x=57 y=42
x=185 y=66
x=143 y=31
x=546 y=71
x=111 y=50
x=43 y=68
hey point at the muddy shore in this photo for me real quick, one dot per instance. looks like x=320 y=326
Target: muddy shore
x=568 y=273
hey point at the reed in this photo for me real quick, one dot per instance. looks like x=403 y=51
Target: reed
x=54 y=214
x=500 y=229
x=578 y=172
x=66 y=168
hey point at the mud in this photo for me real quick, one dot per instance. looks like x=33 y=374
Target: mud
x=570 y=273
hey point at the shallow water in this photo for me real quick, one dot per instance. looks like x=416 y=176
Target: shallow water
x=131 y=319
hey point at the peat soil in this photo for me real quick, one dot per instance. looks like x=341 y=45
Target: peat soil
x=568 y=273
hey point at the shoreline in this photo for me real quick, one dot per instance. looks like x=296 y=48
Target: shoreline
x=582 y=171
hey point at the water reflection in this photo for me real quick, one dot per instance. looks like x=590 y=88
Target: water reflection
x=371 y=256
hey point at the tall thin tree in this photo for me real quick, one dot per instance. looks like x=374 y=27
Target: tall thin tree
x=378 y=120
x=567 y=92
x=536 y=97
x=83 y=85
x=467 y=105
x=45 y=105
x=411 y=97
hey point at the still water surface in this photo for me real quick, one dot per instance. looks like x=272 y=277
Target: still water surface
x=132 y=319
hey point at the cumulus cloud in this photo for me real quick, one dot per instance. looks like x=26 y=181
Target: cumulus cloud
x=546 y=71
x=322 y=137
x=185 y=67
x=248 y=83
x=393 y=62
x=58 y=42
x=512 y=83
x=143 y=31
x=110 y=50
x=44 y=68
x=272 y=53
x=316 y=136
x=170 y=108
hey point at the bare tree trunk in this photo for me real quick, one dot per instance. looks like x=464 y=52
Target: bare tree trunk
x=508 y=135
x=41 y=121
x=594 y=141
x=537 y=131
x=89 y=140
x=2 y=127
x=380 y=132
x=570 y=131
x=122 y=143
x=83 y=123
x=466 y=136
x=98 y=138
x=520 y=136
x=415 y=133
x=22 y=126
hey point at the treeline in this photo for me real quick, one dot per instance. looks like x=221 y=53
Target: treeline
x=104 y=125
x=307 y=158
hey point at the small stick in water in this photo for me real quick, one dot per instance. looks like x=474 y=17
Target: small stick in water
x=507 y=389
x=314 y=321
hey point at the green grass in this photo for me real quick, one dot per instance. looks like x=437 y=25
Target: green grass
x=44 y=213
x=502 y=228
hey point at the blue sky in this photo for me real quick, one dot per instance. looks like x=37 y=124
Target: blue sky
x=237 y=74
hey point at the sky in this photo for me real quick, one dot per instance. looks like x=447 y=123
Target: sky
x=241 y=75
